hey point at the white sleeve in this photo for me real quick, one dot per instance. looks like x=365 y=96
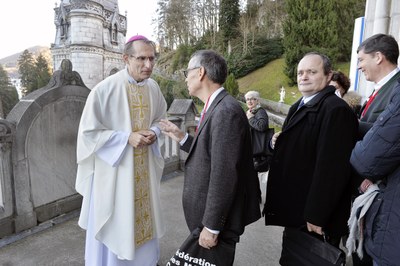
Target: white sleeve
x=215 y=232
x=156 y=130
x=114 y=149
x=184 y=139
x=155 y=147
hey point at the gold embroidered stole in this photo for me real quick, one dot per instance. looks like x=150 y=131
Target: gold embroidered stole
x=140 y=116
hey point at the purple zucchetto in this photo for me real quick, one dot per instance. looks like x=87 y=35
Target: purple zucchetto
x=137 y=38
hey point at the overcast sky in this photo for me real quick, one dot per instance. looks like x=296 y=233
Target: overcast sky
x=26 y=23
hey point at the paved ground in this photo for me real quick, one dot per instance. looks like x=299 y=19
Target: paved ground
x=62 y=242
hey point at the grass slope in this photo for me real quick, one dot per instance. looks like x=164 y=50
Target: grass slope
x=269 y=79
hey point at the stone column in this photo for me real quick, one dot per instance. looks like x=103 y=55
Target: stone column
x=6 y=195
x=382 y=16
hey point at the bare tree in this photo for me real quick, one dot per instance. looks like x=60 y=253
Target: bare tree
x=184 y=21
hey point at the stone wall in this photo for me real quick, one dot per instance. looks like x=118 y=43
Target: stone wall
x=39 y=154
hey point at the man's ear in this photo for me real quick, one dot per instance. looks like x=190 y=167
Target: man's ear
x=202 y=73
x=330 y=74
x=125 y=57
x=379 y=57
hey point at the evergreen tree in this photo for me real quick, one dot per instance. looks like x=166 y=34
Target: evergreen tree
x=310 y=26
x=42 y=71
x=348 y=11
x=35 y=74
x=8 y=94
x=229 y=21
x=231 y=85
x=27 y=70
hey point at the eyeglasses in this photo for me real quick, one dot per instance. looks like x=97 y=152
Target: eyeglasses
x=186 y=72
x=251 y=99
x=143 y=59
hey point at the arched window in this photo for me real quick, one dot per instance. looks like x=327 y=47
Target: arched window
x=113 y=71
x=114 y=33
x=62 y=29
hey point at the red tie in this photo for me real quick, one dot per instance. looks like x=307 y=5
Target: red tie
x=371 y=98
x=203 y=114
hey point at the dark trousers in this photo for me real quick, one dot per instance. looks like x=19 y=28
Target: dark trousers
x=231 y=239
x=365 y=261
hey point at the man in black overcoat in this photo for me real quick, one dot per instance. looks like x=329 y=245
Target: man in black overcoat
x=309 y=177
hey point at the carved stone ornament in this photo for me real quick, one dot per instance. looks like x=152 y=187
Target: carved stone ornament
x=65 y=76
x=5 y=131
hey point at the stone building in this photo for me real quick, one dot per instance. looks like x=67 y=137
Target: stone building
x=186 y=110
x=91 y=34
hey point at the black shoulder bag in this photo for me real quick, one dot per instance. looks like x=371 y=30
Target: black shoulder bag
x=261 y=153
x=301 y=248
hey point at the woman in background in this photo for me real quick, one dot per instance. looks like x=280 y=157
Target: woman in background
x=258 y=117
x=259 y=124
x=342 y=84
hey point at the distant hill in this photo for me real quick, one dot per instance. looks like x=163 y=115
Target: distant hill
x=10 y=62
x=269 y=79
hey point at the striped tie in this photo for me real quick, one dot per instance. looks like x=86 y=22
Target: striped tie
x=301 y=104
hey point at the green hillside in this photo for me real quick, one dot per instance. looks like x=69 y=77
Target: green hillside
x=269 y=79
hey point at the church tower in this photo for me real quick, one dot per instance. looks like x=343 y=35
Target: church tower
x=91 y=34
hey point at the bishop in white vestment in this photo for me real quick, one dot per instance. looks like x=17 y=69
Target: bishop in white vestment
x=119 y=182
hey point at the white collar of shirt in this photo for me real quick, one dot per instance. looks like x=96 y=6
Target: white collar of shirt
x=212 y=97
x=309 y=98
x=383 y=81
x=133 y=81
x=210 y=100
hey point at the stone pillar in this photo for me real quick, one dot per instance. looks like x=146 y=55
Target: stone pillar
x=87 y=45
x=382 y=16
x=394 y=26
x=6 y=195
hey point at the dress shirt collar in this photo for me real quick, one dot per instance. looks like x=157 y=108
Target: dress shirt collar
x=212 y=97
x=309 y=98
x=383 y=81
x=133 y=81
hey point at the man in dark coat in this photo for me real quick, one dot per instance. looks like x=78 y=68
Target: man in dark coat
x=221 y=192
x=377 y=158
x=309 y=177
x=377 y=59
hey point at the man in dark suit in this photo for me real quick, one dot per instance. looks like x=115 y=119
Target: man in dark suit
x=221 y=193
x=377 y=59
x=309 y=177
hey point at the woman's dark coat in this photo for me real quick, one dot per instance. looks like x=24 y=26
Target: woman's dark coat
x=259 y=121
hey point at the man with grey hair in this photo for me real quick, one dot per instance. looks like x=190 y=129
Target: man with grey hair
x=221 y=192
x=120 y=165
